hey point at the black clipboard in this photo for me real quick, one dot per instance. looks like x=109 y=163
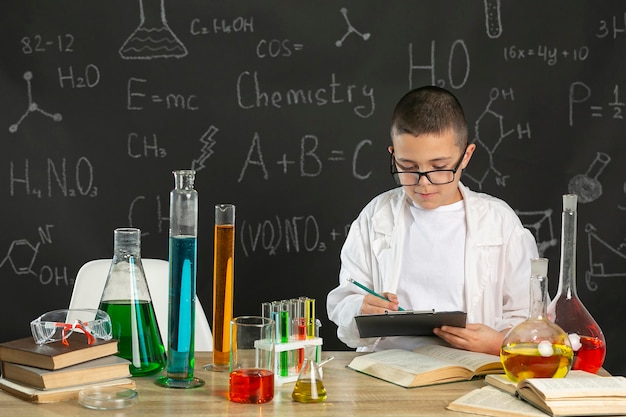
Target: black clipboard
x=408 y=323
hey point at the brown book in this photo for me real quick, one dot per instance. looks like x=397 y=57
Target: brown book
x=102 y=369
x=60 y=394
x=55 y=355
x=426 y=365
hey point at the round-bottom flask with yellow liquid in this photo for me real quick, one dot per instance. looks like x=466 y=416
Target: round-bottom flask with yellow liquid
x=537 y=348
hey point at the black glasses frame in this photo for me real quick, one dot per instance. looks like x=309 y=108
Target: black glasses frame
x=395 y=172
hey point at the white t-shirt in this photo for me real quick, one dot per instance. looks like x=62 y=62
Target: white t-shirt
x=432 y=273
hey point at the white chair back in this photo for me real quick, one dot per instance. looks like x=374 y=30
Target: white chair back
x=91 y=279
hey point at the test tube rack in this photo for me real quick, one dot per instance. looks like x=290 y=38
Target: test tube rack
x=287 y=347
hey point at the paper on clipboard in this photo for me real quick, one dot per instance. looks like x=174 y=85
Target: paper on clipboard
x=408 y=323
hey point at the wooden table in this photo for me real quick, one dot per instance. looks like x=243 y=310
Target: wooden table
x=349 y=394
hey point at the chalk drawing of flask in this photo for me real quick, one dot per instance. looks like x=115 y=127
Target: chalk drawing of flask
x=153 y=38
x=587 y=186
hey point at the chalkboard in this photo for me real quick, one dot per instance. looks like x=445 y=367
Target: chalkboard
x=283 y=108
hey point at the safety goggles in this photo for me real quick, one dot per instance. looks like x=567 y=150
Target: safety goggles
x=58 y=325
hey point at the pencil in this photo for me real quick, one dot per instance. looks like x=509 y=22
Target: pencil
x=364 y=288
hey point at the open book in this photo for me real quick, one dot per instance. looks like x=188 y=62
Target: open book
x=491 y=401
x=506 y=384
x=580 y=393
x=587 y=396
x=426 y=365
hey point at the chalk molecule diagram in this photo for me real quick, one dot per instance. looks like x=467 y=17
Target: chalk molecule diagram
x=22 y=253
x=350 y=30
x=21 y=257
x=32 y=106
x=490 y=141
x=153 y=38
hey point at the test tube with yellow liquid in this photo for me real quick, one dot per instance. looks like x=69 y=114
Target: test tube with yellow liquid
x=223 y=277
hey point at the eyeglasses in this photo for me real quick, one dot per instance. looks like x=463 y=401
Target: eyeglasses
x=58 y=325
x=436 y=177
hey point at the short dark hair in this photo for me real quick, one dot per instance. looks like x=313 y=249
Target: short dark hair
x=429 y=109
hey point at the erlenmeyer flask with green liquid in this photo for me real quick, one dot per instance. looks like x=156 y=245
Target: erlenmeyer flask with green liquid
x=127 y=300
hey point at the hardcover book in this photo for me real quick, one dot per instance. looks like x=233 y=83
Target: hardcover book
x=55 y=355
x=102 y=369
x=59 y=394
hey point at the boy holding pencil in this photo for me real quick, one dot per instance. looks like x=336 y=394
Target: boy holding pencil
x=432 y=243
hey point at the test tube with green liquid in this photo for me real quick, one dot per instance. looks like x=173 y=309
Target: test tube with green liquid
x=284 y=327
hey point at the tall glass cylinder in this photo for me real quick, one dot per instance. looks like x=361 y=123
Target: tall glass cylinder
x=223 y=276
x=182 y=283
x=566 y=309
x=127 y=300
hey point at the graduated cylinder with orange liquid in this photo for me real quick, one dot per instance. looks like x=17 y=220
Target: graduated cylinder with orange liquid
x=223 y=277
x=537 y=348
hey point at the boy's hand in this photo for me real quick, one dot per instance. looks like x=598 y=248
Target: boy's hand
x=475 y=337
x=375 y=305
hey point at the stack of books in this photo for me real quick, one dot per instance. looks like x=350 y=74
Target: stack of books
x=55 y=372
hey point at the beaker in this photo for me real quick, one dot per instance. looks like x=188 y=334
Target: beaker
x=536 y=348
x=251 y=348
x=127 y=301
x=182 y=283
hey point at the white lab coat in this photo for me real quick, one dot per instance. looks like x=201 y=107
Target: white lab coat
x=498 y=250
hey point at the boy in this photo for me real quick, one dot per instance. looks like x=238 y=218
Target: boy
x=432 y=243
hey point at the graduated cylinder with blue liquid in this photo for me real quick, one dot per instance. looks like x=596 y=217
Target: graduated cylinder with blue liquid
x=183 y=253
